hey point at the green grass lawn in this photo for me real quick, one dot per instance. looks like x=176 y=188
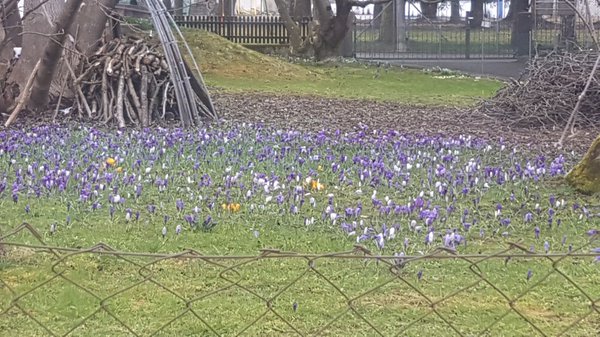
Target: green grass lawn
x=175 y=178
x=232 y=68
x=230 y=294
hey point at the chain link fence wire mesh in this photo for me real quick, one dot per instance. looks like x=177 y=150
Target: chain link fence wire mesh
x=58 y=291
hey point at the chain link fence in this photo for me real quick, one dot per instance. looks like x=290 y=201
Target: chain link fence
x=58 y=291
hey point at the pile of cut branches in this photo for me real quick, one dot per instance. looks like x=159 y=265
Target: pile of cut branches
x=545 y=95
x=128 y=81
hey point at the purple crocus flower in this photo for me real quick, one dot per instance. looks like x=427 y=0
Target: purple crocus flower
x=419 y=275
x=178 y=230
x=546 y=246
x=52 y=228
x=379 y=241
x=528 y=217
x=295 y=306
x=536 y=230
x=593 y=232
x=27 y=209
x=151 y=209
x=466 y=226
x=179 y=205
x=529 y=274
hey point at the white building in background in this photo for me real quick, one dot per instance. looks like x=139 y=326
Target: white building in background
x=256 y=7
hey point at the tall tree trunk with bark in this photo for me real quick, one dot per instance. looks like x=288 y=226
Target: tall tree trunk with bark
x=332 y=27
x=38 y=27
x=387 y=30
x=225 y=8
x=516 y=6
x=90 y=24
x=429 y=9
x=476 y=13
x=52 y=52
x=455 y=11
x=585 y=176
x=178 y=7
x=10 y=28
x=300 y=9
x=400 y=25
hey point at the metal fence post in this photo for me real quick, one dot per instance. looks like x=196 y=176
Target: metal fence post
x=468 y=36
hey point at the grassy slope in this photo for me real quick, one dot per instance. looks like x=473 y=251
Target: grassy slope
x=232 y=67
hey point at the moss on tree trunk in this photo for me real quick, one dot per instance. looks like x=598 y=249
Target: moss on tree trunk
x=585 y=176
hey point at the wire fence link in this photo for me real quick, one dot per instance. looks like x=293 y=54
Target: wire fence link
x=58 y=291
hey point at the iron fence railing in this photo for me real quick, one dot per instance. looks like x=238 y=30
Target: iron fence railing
x=440 y=39
x=58 y=291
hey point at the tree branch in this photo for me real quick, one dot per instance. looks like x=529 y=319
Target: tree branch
x=359 y=3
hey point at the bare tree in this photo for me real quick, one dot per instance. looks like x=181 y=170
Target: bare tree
x=429 y=8
x=51 y=55
x=387 y=29
x=585 y=176
x=455 y=11
x=330 y=30
x=515 y=7
x=476 y=13
x=300 y=9
x=90 y=24
x=225 y=7
x=10 y=28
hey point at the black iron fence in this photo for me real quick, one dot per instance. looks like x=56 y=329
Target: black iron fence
x=427 y=39
x=246 y=30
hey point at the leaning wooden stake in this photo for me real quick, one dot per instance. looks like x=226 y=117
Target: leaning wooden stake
x=24 y=96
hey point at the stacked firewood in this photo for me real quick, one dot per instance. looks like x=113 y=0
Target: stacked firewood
x=128 y=81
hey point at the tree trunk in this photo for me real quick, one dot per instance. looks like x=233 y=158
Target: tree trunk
x=178 y=4
x=455 y=11
x=297 y=45
x=429 y=10
x=567 y=32
x=52 y=52
x=516 y=6
x=400 y=25
x=585 y=176
x=11 y=21
x=90 y=24
x=332 y=29
x=169 y=6
x=225 y=8
x=387 y=31
x=476 y=13
x=300 y=9
x=37 y=27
